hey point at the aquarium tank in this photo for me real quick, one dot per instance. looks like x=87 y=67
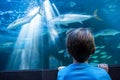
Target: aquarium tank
x=33 y=32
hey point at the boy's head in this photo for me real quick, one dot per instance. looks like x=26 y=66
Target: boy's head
x=80 y=44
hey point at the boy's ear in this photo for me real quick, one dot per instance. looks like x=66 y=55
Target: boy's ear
x=68 y=50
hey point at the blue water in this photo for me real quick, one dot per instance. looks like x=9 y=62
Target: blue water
x=42 y=46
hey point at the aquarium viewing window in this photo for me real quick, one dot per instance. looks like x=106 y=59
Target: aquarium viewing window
x=32 y=36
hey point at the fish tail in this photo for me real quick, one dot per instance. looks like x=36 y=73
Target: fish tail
x=96 y=16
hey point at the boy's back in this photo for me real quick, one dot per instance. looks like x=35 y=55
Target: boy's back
x=82 y=71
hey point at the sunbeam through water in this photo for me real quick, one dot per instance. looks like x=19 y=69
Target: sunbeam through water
x=26 y=54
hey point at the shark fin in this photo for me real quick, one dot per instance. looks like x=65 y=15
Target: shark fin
x=96 y=16
x=58 y=13
x=40 y=11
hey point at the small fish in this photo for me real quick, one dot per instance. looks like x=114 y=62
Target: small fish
x=97 y=51
x=103 y=56
x=94 y=57
x=95 y=61
x=100 y=47
x=109 y=57
x=7 y=44
x=103 y=53
x=61 y=51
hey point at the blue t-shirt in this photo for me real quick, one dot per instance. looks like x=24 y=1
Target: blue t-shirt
x=82 y=71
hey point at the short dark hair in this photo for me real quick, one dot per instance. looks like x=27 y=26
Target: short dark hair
x=80 y=43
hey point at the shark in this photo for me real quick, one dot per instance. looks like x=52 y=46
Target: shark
x=107 y=32
x=24 y=20
x=66 y=19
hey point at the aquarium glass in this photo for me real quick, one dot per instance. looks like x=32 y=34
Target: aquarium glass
x=33 y=32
